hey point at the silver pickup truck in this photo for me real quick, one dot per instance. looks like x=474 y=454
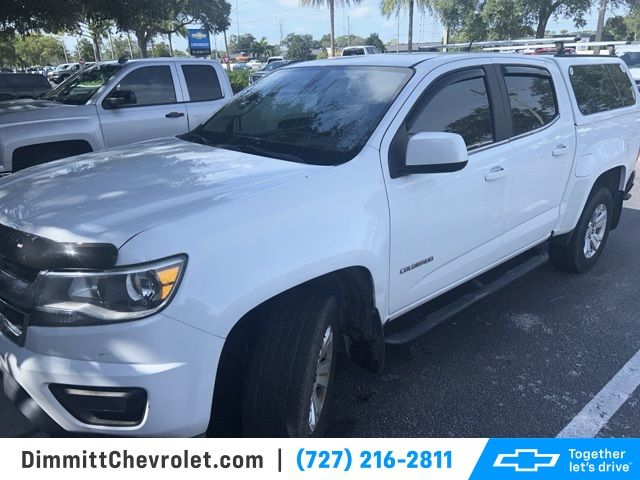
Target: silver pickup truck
x=111 y=104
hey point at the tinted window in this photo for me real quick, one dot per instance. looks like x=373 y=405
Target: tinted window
x=596 y=90
x=532 y=100
x=150 y=85
x=347 y=52
x=626 y=88
x=461 y=108
x=25 y=80
x=202 y=82
x=632 y=59
x=318 y=115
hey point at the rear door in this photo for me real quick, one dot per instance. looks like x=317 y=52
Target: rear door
x=542 y=149
x=157 y=109
x=204 y=89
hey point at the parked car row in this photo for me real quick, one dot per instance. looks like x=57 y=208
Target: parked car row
x=111 y=104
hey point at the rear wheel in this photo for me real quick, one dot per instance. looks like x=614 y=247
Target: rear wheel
x=589 y=237
x=291 y=368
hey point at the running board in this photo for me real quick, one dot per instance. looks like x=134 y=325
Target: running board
x=475 y=290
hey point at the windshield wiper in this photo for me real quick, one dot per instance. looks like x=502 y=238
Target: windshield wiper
x=252 y=149
x=197 y=138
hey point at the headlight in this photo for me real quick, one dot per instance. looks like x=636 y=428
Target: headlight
x=94 y=298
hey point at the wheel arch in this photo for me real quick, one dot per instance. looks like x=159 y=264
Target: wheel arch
x=613 y=180
x=361 y=327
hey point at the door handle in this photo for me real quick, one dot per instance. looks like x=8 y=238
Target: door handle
x=560 y=150
x=174 y=115
x=495 y=173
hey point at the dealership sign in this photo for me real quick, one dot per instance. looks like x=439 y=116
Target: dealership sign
x=199 y=42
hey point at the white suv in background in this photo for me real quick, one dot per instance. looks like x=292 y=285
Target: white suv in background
x=360 y=50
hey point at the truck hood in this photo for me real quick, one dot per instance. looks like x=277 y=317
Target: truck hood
x=16 y=111
x=112 y=195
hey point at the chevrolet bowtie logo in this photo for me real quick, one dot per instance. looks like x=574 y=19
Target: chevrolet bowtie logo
x=526 y=460
x=198 y=35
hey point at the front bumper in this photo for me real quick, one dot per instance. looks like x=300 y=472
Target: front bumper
x=175 y=364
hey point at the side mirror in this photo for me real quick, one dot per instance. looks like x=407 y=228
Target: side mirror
x=435 y=152
x=119 y=98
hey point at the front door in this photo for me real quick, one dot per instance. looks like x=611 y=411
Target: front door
x=153 y=110
x=445 y=227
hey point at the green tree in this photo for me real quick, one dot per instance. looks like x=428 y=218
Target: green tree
x=537 y=13
x=390 y=7
x=503 y=20
x=346 y=40
x=298 y=47
x=375 y=41
x=262 y=48
x=84 y=50
x=121 y=48
x=462 y=18
x=38 y=49
x=617 y=26
x=149 y=18
x=242 y=43
x=47 y=15
x=160 y=49
x=8 y=56
x=331 y=4
x=633 y=23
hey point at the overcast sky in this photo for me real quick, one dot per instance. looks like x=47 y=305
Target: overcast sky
x=263 y=18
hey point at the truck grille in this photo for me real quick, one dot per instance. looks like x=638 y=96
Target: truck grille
x=13 y=323
x=17 y=297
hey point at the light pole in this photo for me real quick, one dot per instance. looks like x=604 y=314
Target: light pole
x=600 y=27
x=238 y=19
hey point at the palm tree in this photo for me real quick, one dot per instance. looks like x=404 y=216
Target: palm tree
x=390 y=7
x=332 y=15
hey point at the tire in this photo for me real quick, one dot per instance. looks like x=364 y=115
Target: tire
x=284 y=363
x=579 y=255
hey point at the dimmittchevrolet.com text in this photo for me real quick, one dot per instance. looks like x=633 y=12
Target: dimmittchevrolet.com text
x=122 y=459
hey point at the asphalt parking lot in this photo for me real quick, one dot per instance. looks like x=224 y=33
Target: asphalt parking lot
x=522 y=363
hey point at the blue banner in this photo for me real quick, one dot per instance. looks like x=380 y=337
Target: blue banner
x=199 y=42
x=543 y=459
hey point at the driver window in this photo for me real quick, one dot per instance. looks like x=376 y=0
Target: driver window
x=151 y=85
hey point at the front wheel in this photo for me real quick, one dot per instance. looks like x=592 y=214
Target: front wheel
x=589 y=237
x=291 y=367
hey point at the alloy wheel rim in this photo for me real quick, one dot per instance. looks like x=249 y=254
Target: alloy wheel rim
x=321 y=380
x=595 y=231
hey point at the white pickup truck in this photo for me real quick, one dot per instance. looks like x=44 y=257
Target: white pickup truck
x=111 y=104
x=207 y=283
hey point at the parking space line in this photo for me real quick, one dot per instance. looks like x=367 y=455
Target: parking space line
x=606 y=403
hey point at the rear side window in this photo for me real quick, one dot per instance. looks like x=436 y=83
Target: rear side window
x=461 y=108
x=348 y=52
x=602 y=87
x=202 y=83
x=532 y=99
x=626 y=89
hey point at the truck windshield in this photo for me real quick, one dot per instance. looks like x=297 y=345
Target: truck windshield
x=317 y=115
x=79 y=88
